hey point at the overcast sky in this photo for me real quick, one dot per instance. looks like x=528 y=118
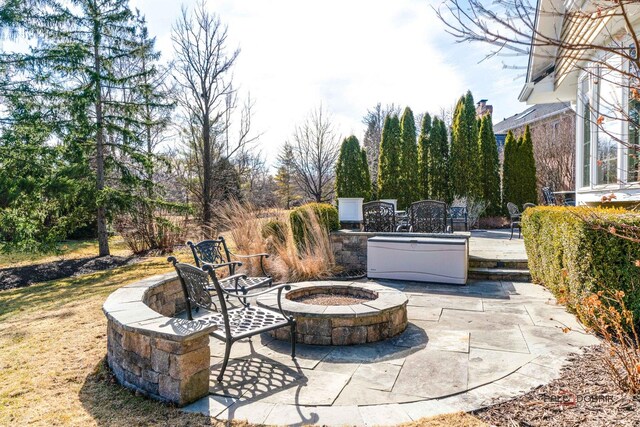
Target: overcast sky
x=347 y=55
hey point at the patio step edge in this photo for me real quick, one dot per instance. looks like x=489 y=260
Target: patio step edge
x=495 y=263
x=499 y=274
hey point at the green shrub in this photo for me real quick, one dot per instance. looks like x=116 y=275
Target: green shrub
x=326 y=214
x=276 y=229
x=574 y=258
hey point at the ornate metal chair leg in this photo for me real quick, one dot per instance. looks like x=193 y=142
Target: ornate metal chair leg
x=293 y=339
x=227 y=353
x=510 y=238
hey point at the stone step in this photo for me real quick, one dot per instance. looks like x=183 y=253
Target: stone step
x=517 y=264
x=499 y=274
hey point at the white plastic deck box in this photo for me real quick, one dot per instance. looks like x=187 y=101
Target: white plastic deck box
x=422 y=259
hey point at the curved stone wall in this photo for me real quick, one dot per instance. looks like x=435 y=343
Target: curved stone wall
x=151 y=351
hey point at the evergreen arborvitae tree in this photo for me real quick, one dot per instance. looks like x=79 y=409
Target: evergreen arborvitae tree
x=351 y=179
x=527 y=166
x=489 y=167
x=99 y=110
x=409 y=182
x=389 y=163
x=464 y=149
x=423 y=157
x=510 y=184
x=438 y=162
x=366 y=176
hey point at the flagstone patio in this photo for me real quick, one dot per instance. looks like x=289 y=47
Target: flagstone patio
x=465 y=347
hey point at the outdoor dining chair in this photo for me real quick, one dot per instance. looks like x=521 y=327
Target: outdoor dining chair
x=203 y=290
x=516 y=218
x=428 y=216
x=217 y=253
x=378 y=216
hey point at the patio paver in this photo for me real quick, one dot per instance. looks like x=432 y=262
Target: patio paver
x=465 y=347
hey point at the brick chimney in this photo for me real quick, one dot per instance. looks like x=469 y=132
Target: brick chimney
x=482 y=109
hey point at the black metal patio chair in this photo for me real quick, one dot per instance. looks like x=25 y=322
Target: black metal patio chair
x=549 y=197
x=378 y=216
x=216 y=252
x=202 y=286
x=428 y=216
x=516 y=218
x=459 y=215
x=527 y=206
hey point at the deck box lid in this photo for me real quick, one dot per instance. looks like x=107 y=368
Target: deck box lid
x=419 y=240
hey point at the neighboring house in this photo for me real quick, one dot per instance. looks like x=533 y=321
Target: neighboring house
x=592 y=81
x=553 y=135
x=482 y=109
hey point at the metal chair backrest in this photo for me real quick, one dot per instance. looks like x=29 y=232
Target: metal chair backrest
x=196 y=284
x=212 y=251
x=458 y=213
x=428 y=216
x=514 y=212
x=527 y=206
x=378 y=216
x=549 y=198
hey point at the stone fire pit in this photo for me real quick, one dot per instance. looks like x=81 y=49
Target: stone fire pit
x=341 y=313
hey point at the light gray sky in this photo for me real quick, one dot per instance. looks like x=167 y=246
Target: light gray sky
x=347 y=55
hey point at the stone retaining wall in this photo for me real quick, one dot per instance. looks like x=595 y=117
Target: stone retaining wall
x=350 y=247
x=152 y=352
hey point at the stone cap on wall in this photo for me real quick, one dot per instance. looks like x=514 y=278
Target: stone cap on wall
x=456 y=235
x=127 y=308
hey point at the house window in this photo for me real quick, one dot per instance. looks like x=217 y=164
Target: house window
x=608 y=127
x=586 y=134
x=633 y=158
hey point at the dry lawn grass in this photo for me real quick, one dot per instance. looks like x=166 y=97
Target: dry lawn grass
x=459 y=419
x=53 y=343
x=71 y=249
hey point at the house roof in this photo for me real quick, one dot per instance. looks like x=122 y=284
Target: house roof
x=532 y=114
x=553 y=67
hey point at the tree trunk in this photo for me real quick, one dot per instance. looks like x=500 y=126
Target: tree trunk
x=206 y=169
x=103 y=235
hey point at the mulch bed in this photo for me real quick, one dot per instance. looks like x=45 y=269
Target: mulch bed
x=19 y=277
x=584 y=395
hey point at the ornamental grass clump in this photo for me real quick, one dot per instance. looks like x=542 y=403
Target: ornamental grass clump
x=293 y=257
x=608 y=316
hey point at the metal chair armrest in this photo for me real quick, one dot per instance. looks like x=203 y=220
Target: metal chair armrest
x=224 y=264
x=262 y=257
x=250 y=255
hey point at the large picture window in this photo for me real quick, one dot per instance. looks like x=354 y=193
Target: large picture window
x=608 y=127
x=586 y=132
x=633 y=129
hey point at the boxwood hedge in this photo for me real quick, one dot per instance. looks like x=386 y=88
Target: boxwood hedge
x=572 y=257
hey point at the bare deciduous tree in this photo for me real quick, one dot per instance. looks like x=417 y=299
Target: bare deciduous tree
x=208 y=102
x=315 y=148
x=374 y=121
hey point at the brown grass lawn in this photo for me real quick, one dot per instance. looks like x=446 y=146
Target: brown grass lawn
x=52 y=348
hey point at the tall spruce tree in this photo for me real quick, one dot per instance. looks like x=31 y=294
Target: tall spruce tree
x=510 y=178
x=423 y=157
x=99 y=110
x=285 y=179
x=527 y=167
x=438 y=162
x=409 y=178
x=389 y=163
x=489 y=167
x=351 y=178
